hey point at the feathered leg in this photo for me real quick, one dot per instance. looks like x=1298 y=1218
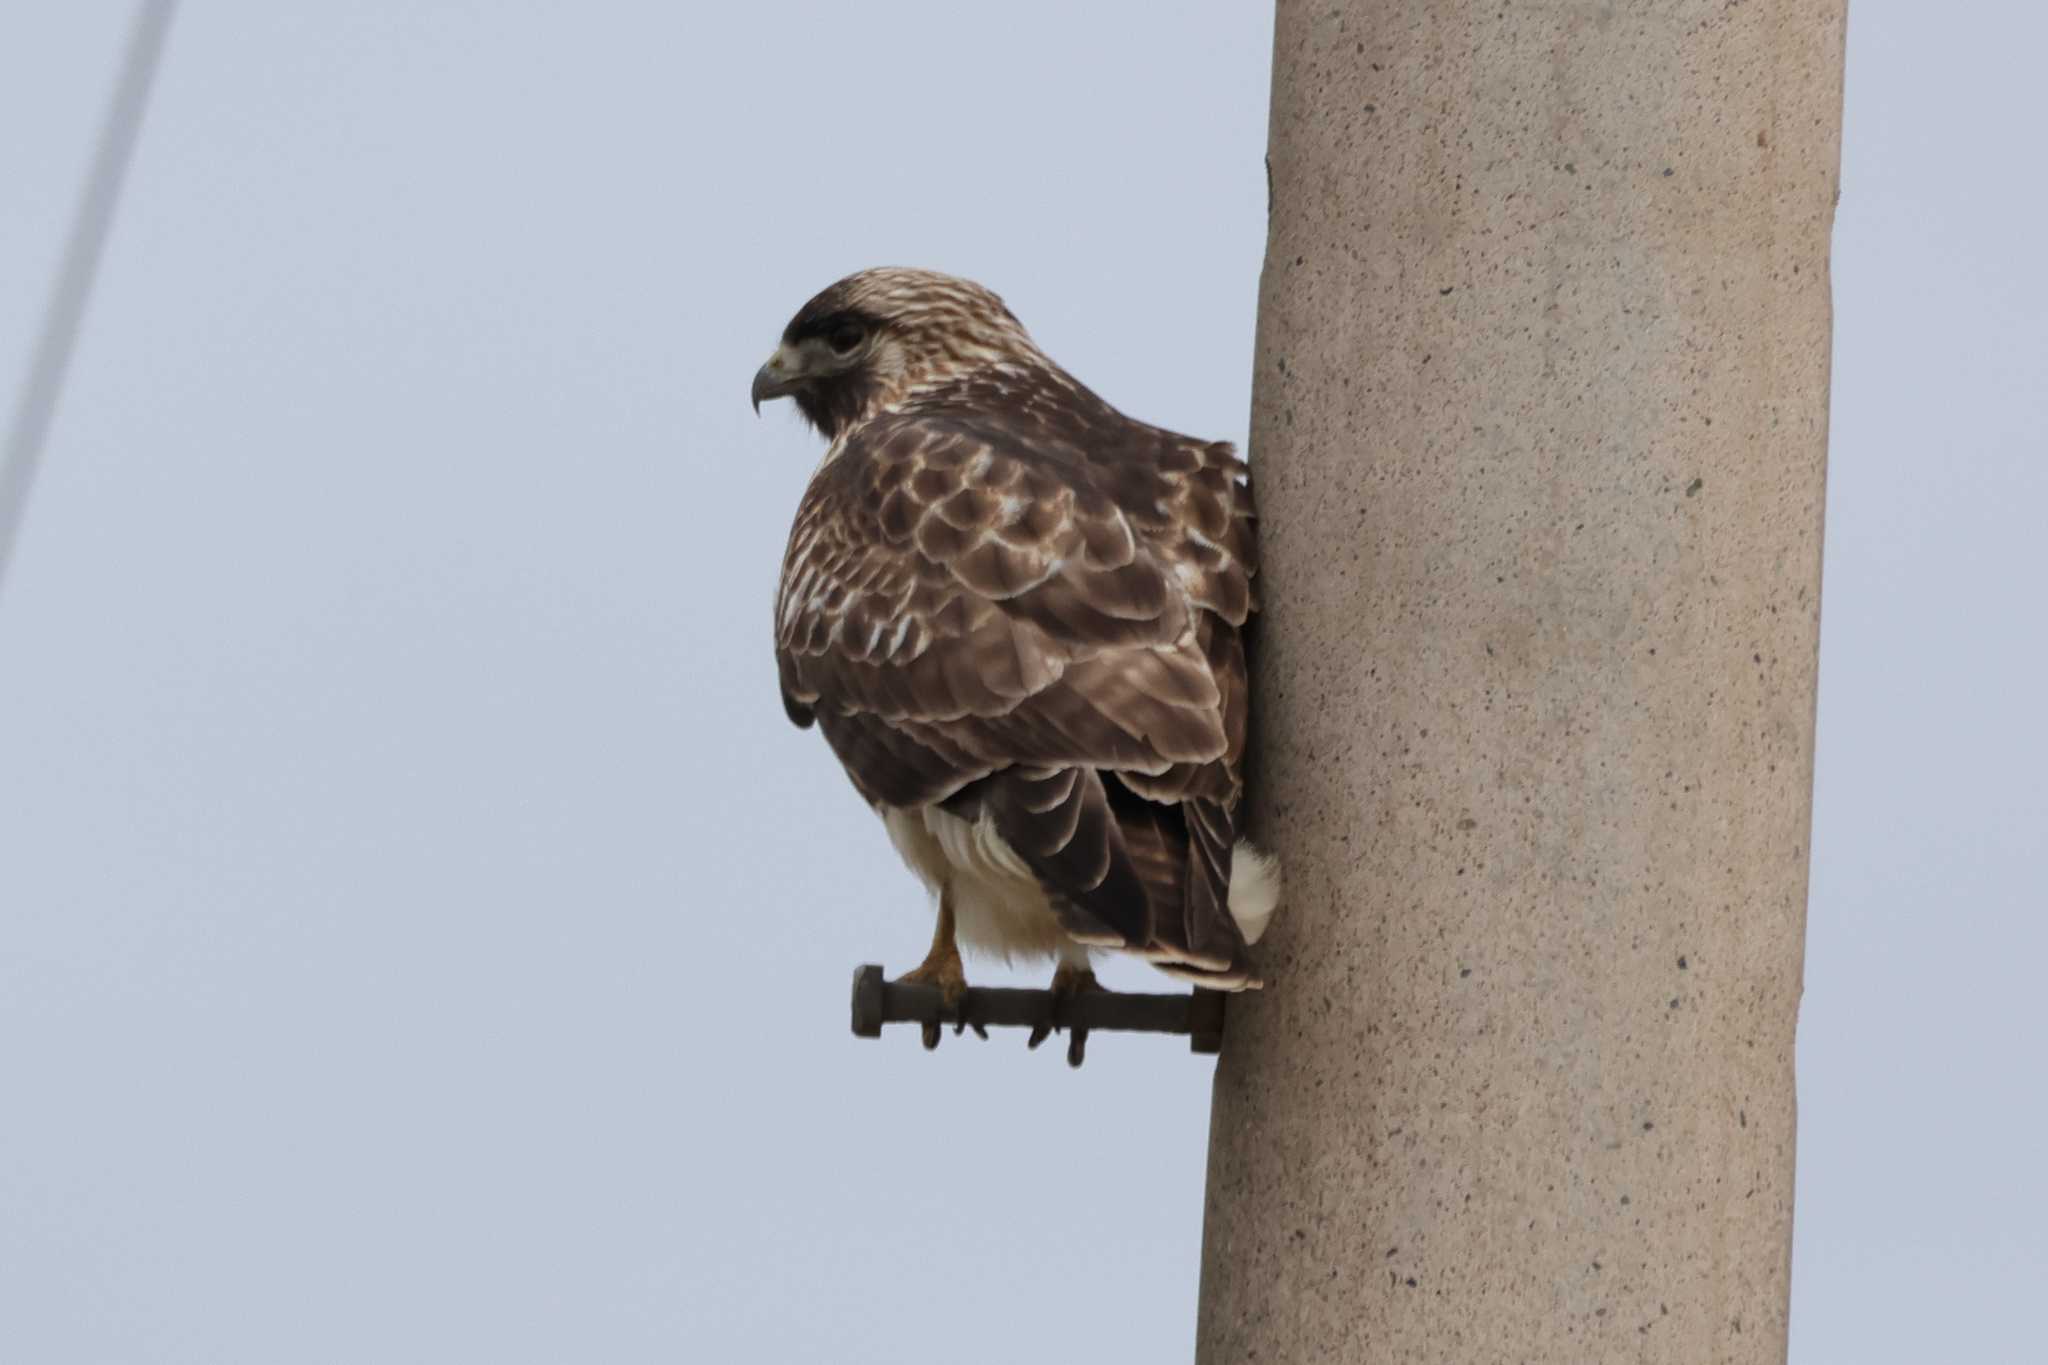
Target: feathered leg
x=942 y=968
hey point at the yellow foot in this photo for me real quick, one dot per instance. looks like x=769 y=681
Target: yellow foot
x=1067 y=982
x=944 y=971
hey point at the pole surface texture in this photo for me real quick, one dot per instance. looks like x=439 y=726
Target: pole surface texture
x=1539 y=431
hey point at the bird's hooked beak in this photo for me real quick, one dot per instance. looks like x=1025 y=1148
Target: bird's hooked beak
x=778 y=378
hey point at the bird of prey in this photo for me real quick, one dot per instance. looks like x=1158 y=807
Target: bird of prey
x=1018 y=617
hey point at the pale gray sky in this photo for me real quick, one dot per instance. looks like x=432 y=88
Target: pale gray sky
x=422 y=937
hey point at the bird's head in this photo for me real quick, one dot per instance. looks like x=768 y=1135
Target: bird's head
x=877 y=336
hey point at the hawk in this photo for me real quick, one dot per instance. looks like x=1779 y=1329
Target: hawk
x=1018 y=616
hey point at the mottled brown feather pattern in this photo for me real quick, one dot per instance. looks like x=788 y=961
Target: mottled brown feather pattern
x=1004 y=596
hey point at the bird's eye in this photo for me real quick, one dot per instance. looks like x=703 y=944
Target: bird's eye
x=845 y=337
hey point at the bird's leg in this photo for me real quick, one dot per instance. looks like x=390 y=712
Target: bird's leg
x=1069 y=979
x=942 y=968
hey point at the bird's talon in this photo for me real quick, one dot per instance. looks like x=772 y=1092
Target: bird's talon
x=941 y=968
x=1067 y=983
x=956 y=1005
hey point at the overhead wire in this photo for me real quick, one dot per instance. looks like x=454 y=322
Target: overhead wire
x=51 y=360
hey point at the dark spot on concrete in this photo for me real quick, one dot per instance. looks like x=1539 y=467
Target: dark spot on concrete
x=1625 y=1199
x=1464 y=971
x=1445 y=290
x=1372 y=108
x=1695 y=486
x=1410 y=1282
x=1762 y=139
x=1647 y=1125
x=1667 y=170
x=1674 y=1002
x=1392 y=1250
x=1468 y=822
x=1570 y=169
x=1742 y=1117
x=1681 y=962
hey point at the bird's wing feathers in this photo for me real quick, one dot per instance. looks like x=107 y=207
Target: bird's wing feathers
x=984 y=609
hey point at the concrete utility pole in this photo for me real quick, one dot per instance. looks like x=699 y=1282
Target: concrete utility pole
x=1540 y=432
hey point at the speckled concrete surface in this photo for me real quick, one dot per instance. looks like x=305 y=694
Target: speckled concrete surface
x=1540 y=435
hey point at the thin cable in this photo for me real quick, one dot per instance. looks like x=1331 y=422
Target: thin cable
x=75 y=274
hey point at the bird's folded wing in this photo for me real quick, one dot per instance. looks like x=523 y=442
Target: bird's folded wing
x=990 y=607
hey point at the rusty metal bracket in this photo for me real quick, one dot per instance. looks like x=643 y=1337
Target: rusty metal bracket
x=878 y=1001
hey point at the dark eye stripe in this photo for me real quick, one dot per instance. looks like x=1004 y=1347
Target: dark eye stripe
x=826 y=326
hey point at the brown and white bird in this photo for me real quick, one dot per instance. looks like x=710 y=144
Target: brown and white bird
x=1018 y=615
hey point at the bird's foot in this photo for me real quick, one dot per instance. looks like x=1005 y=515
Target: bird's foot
x=1067 y=982
x=944 y=971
